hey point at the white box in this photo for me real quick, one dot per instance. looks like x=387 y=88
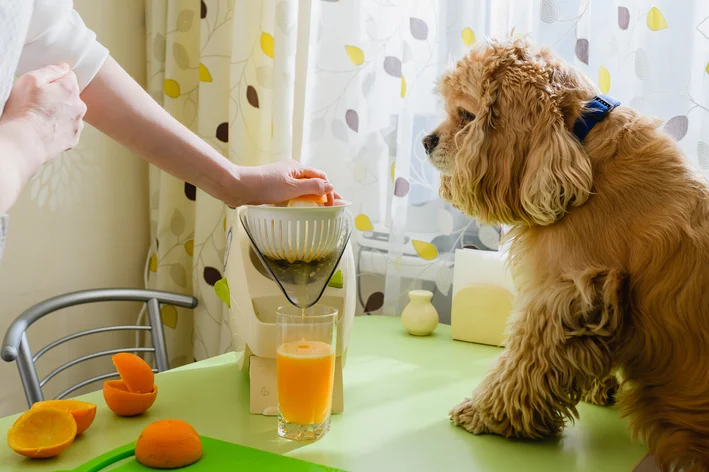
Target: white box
x=483 y=297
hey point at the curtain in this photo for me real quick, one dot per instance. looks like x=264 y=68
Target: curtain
x=348 y=86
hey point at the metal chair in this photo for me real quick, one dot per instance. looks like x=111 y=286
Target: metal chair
x=16 y=348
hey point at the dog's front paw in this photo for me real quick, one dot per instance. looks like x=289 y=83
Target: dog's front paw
x=602 y=392
x=468 y=416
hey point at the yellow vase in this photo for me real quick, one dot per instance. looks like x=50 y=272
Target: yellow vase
x=419 y=317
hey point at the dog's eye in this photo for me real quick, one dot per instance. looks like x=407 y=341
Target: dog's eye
x=465 y=116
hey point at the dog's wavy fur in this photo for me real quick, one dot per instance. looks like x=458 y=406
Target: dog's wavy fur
x=609 y=251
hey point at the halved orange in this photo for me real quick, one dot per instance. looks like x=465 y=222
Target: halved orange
x=83 y=412
x=137 y=374
x=123 y=402
x=168 y=444
x=42 y=432
x=311 y=198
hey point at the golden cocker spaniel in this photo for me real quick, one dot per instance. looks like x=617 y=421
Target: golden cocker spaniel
x=609 y=252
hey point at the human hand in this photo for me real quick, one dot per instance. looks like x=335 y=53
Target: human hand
x=46 y=101
x=279 y=182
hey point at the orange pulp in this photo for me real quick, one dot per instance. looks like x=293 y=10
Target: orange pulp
x=305 y=372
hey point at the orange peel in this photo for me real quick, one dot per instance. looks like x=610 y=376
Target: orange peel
x=123 y=402
x=168 y=444
x=84 y=413
x=41 y=433
x=135 y=372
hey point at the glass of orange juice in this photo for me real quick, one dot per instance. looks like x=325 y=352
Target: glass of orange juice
x=305 y=370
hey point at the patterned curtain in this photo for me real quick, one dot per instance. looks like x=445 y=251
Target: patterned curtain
x=348 y=86
x=225 y=69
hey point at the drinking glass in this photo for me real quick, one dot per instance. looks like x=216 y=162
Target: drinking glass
x=305 y=370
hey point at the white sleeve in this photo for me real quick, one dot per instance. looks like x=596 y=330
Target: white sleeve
x=57 y=35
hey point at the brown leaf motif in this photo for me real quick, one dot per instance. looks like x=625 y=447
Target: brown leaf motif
x=677 y=127
x=582 y=50
x=252 y=96
x=352 y=120
x=392 y=66
x=401 y=187
x=211 y=275
x=190 y=191
x=374 y=302
x=623 y=18
x=222 y=132
x=419 y=28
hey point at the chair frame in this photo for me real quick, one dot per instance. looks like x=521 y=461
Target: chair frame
x=16 y=347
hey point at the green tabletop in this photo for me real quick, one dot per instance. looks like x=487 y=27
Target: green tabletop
x=398 y=390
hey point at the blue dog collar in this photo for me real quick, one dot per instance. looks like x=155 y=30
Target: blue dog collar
x=596 y=110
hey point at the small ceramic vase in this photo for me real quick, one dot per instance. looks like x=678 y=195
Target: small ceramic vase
x=419 y=317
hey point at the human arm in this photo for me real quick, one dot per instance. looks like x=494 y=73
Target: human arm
x=17 y=163
x=42 y=117
x=120 y=108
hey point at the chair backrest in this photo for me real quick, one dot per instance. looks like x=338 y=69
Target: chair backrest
x=15 y=346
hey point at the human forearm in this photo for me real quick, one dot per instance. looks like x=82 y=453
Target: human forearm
x=20 y=157
x=120 y=108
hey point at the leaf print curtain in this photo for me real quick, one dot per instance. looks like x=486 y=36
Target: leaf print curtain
x=348 y=86
x=225 y=69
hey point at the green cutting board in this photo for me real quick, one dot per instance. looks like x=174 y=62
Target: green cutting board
x=217 y=456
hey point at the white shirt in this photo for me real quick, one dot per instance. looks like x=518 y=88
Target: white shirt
x=37 y=33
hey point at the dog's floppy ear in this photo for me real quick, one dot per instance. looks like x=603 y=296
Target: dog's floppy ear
x=518 y=162
x=557 y=172
x=485 y=183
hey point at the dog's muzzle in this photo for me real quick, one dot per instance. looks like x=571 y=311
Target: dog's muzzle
x=430 y=142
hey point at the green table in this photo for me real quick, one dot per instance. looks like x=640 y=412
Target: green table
x=398 y=390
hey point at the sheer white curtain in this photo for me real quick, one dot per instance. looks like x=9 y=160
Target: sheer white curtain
x=348 y=86
x=370 y=98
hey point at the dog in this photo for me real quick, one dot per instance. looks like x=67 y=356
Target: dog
x=609 y=250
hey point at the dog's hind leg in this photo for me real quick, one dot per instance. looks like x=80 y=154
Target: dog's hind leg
x=560 y=342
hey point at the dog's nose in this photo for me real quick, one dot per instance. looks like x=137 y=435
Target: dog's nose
x=430 y=142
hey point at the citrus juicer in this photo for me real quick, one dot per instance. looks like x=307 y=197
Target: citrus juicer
x=296 y=255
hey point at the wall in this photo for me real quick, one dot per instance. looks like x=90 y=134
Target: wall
x=81 y=223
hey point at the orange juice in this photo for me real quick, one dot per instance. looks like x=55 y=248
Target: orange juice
x=305 y=371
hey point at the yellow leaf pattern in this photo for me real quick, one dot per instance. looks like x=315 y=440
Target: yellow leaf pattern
x=403 y=87
x=425 y=250
x=189 y=247
x=355 y=54
x=468 y=36
x=221 y=288
x=604 y=79
x=393 y=171
x=363 y=223
x=707 y=68
x=656 y=19
x=204 y=75
x=153 y=263
x=168 y=313
x=171 y=88
x=267 y=44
